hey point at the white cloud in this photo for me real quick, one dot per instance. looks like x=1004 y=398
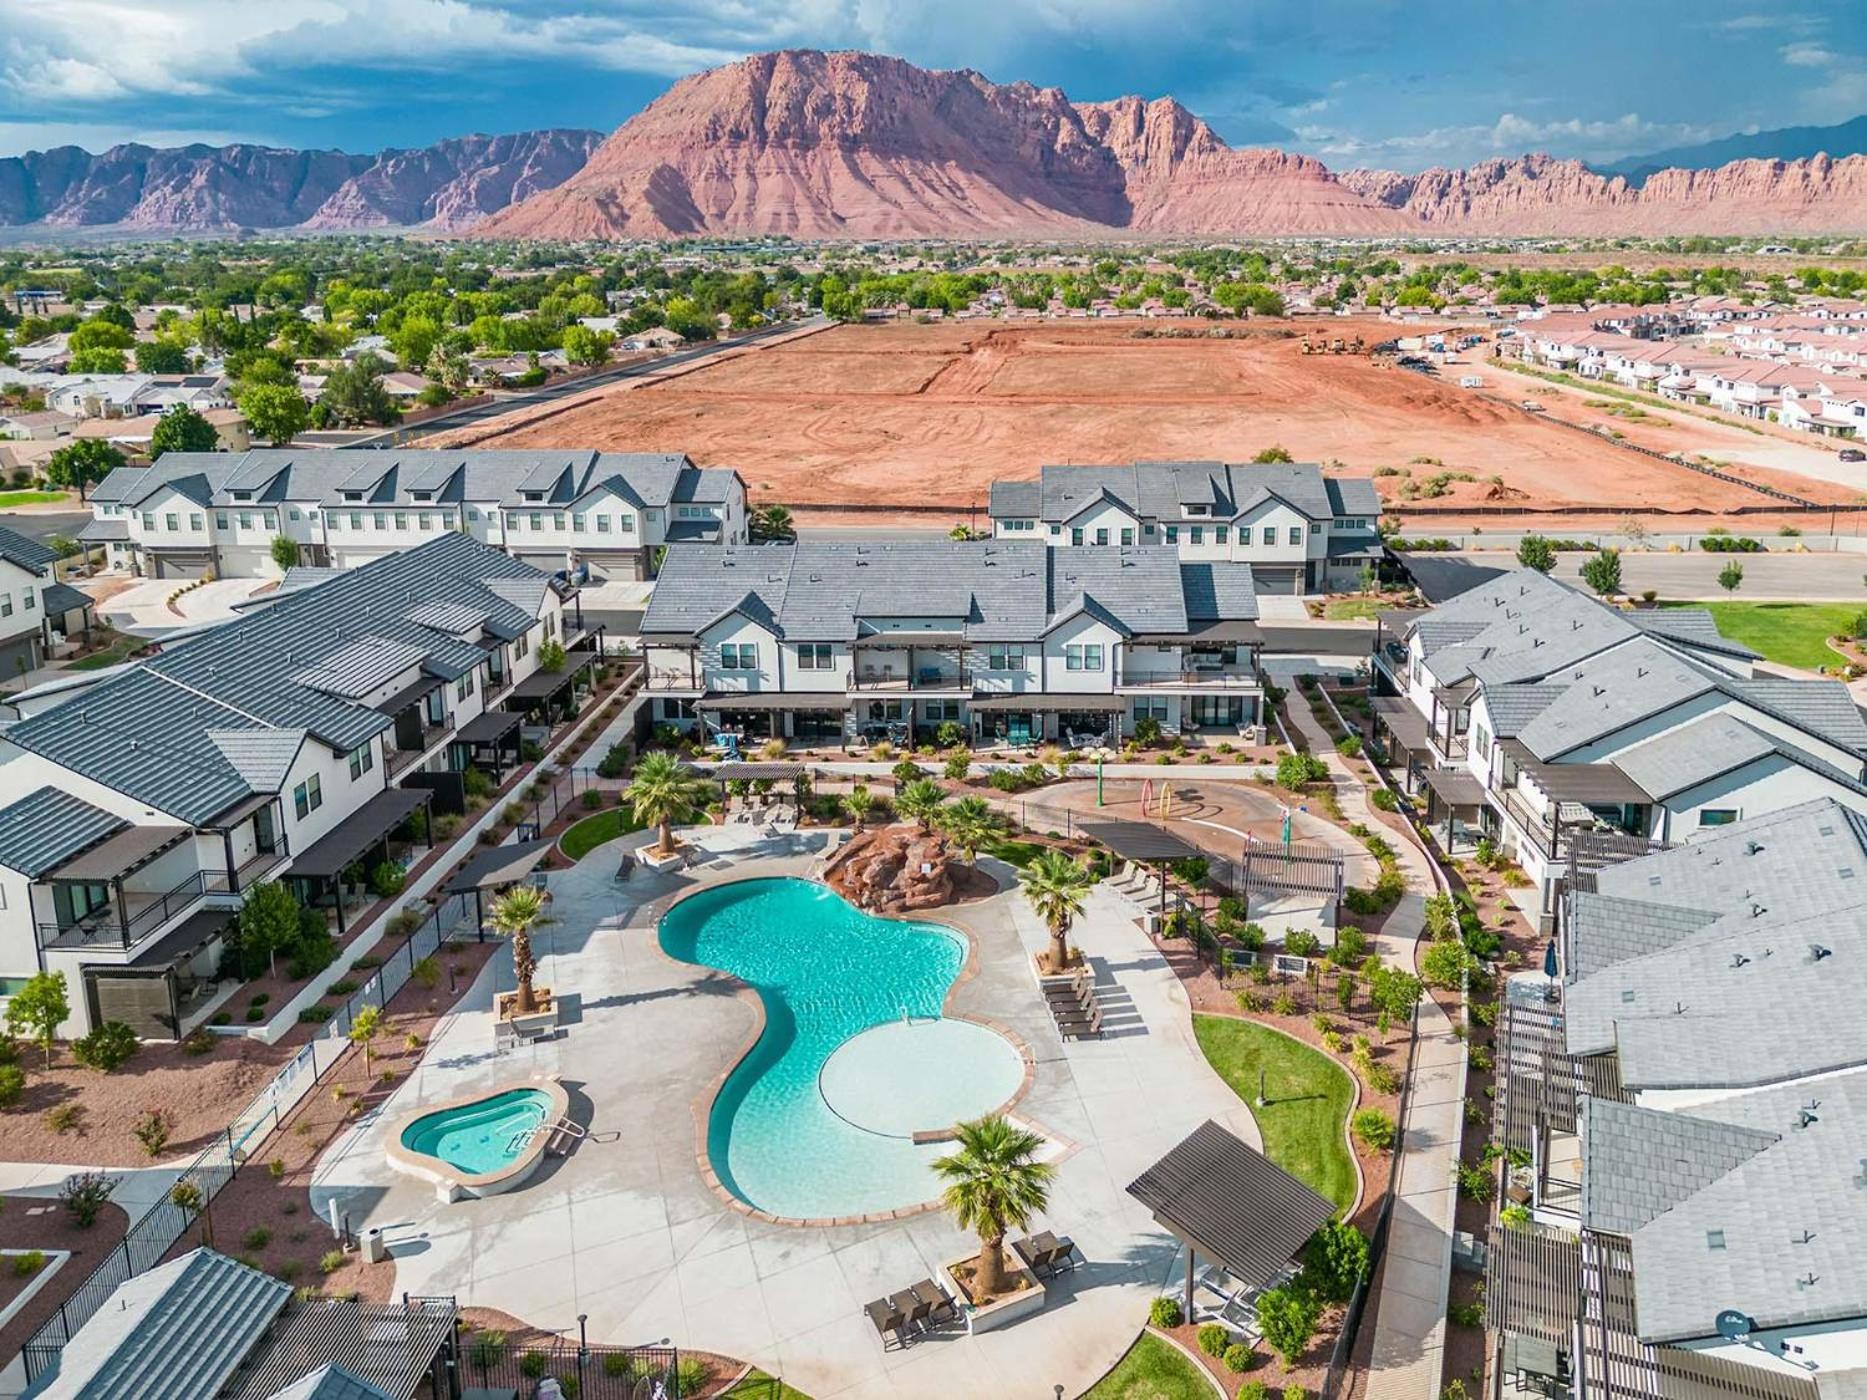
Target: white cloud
x=1512 y=134
x=1808 y=55
x=19 y=137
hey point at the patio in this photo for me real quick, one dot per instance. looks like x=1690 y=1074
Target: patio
x=625 y=1229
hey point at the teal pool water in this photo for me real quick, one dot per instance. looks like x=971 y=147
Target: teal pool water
x=483 y=1136
x=826 y=972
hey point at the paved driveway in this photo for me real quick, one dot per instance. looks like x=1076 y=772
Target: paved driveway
x=143 y=606
x=624 y=1228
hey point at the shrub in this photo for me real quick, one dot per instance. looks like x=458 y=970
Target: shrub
x=1287 y=1318
x=1213 y=1338
x=1251 y=1002
x=27 y=1264
x=1285 y=1003
x=1373 y=1129
x=691 y=1376
x=387 y=879
x=1476 y=1182
x=957 y=765
x=1296 y=771
x=256 y=1238
x=316 y=1014
x=12 y=1085
x=106 y=1048
x=85 y=1194
x=1384 y=799
x=1349 y=746
x=343 y=987
x=1335 y=1260
x=331 y=1261
x=1466 y=1314
x=1004 y=780
x=1254 y=1390
x=1237 y=1358
x=64 y=1117
x=152 y=1131
x=199 y=1041
x=1293 y=1391
x=1165 y=1313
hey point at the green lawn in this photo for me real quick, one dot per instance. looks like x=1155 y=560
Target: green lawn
x=759 y=1386
x=1308 y=1100
x=1152 y=1370
x=1794 y=634
x=29 y=497
x=1352 y=609
x=1018 y=853
x=585 y=836
x=120 y=650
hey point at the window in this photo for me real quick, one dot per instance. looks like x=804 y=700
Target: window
x=739 y=656
x=361 y=759
x=308 y=796
x=1481 y=741
x=1296 y=534
x=813 y=656
x=1151 y=708
x=535 y=521
x=194 y=521
x=1147 y=527
x=1102 y=536
x=246 y=519
x=381 y=521
x=1717 y=816
x=1076 y=535
x=171 y=523
x=602 y=524
x=1221 y=534
x=1004 y=658
x=1082 y=656
x=1196 y=533
x=356 y=520
x=401 y=520
x=291 y=513
x=26 y=600
x=336 y=522
x=1171 y=534
x=577 y=522
x=6 y=605
x=473 y=513
x=521 y=644
x=1056 y=529
x=220 y=520
x=625 y=523
x=557 y=520
x=267 y=521
x=1127 y=534
x=149 y=520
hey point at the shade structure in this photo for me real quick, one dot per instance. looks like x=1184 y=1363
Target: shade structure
x=1231 y=1203
x=334 y=852
x=1142 y=841
x=773 y=700
x=754 y=772
x=128 y=851
x=1456 y=787
x=487 y=727
x=413 y=693
x=499 y=865
x=1104 y=704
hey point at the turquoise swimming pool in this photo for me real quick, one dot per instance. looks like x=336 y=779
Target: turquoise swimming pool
x=486 y=1135
x=826 y=973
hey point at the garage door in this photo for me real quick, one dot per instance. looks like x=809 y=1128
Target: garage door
x=613 y=564
x=1274 y=580
x=179 y=565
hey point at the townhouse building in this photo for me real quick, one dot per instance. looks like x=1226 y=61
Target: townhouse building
x=1681 y=1115
x=1533 y=715
x=37 y=612
x=138 y=804
x=1011 y=640
x=1300 y=530
x=574 y=509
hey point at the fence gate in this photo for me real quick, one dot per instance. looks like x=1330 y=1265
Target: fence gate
x=1304 y=870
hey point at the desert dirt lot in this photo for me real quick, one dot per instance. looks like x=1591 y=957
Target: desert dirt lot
x=930 y=415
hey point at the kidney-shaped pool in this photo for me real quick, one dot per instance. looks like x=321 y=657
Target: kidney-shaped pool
x=819 y=1118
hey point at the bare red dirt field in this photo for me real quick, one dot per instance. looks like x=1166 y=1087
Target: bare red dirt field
x=930 y=415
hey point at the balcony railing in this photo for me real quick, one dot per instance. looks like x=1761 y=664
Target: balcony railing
x=1229 y=677
x=141 y=914
x=1539 y=828
x=924 y=678
x=668 y=678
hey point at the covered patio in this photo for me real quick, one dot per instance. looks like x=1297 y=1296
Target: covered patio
x=1229 y=1202
x=1401 y=730
x=548 y=696
x=489 y=741
x=1021 y=720
x=1451 y=793
x=1143 y=843
x=318 y=873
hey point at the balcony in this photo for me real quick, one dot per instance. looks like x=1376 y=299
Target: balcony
x=133 y=915
x=1539 y=828
x=1224 y=677
x=869 y=679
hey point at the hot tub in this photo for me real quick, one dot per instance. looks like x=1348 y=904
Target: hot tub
x=482 y=1143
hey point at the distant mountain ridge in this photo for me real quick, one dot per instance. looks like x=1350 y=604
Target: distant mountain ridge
x=859 y=145
x=1847 y=138
x=446 y=186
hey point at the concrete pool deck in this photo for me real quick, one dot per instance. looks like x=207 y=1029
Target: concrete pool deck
x=625 y=1229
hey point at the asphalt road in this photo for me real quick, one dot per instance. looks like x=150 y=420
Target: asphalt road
x=42 y=525
x=1804 y=577
x=511 y=403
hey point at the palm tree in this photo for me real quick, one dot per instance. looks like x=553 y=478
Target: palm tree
x=515 y=914
x=969 y=823
x=772 y=524
x=1056 y=886
x=921 y=799
x=857 y=802
x=663 y=792
x=994 y=1183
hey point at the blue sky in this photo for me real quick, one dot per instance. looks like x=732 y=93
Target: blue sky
x=1356 y=82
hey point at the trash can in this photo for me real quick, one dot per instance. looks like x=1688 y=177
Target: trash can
x=374 y=1249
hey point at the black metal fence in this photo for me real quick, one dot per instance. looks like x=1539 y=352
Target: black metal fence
x=540 y=802
x=489 y=1362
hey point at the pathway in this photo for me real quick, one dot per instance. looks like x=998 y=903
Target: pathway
x=1411 y=1288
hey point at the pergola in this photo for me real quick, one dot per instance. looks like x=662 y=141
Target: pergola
x=1142 y=842
x=496 y=868
x=1228 y=1201
x=542 y=689
x=489 y=737
x=370 y=826
x=724 y=773
x=1456 y=788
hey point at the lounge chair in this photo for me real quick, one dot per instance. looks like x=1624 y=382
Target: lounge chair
x=1066 y=1001
x=1077 y=1026
x=888 y=1318
x=915 y=1308
x=940 y=1306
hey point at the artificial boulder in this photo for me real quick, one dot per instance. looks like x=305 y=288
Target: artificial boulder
x=894 y=869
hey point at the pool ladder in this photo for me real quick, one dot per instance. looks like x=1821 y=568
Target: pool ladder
x=525 y=1135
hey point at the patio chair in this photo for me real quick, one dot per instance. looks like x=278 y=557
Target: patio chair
x=1035 y=1259
x=940 y=1306
x=1068 y=1000
x=1063 y=1256
x=915 y=1308
x=886 y=1319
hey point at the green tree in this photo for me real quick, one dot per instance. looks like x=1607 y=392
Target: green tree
x=922 y=800
x=181 y=429
x=1287 y=1319
x=970 y=822
x=99 y=359
x=1601 y=571
x=1273 y=454
x=583 y=346
x=663 y=792
x=994 y=1183
x=1731 y=577
x=39 y=1008
x=100 y=334
x=356 y=393
x=269 y=921
x=191 y=1201
x=161 y=357
x=1536 y=552
x=275 y=412
x=551 y=656
x=368 y=1022
x=1055 y=886
x=857 y=802
x=284 y=552
x=771 y=525
x=1335 y=1260
x=514 y=915
x=82 y=463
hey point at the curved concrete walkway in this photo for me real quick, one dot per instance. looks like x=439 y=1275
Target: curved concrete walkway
x=625 y=1230
x=1408 y=1309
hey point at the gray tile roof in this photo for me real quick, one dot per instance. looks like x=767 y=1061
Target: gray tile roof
x=1162 y=490
x=1605 y=929
x=997 y=590
x=1511 y=707
x=61 y=598
x=1695 y=626
x=1694 y=753
x=357 y=668
x=47 y=827
x=1824 y=708
x=176 y=1332
x=145 y=731
x=1781 y=1236
x=1638 y=1163
x=1608 y=692
x=25 y=551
